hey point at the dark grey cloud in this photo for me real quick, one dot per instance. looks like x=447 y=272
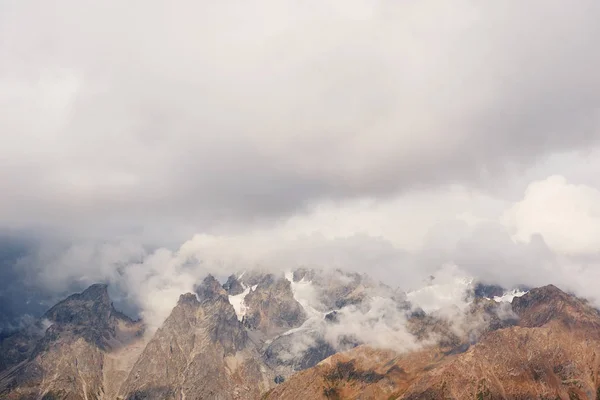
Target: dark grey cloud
x=152 y=115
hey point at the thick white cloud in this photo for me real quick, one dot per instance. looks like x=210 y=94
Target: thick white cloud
x=384 y=136
x=152 y=116
x=566 y=215
x=356 y=236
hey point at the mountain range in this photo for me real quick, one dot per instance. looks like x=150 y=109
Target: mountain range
x=311 y=334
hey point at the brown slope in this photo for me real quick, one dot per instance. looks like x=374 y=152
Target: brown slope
x=552 y=354
x=361 y=373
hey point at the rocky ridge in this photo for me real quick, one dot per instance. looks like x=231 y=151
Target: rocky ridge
x=300 y=335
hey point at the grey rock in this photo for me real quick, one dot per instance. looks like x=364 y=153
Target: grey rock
x=67 y=359
x=201 y=351
x=233 y=286
x=272 y=308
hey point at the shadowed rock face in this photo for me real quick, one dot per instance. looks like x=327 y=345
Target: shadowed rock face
x=489 y=291
x=222 y=322
x=233 y=286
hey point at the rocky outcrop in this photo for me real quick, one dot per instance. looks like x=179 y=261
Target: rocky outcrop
x=545 y=304
x=233 y=286
x=66 y=360
x=272 y=308
x=202 y=351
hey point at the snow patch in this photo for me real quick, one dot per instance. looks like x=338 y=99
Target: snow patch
x=509 y=296
x=238 y=303
x=305 y=293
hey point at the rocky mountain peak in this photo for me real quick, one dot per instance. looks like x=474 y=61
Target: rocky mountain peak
x=210 y=290
x=188 y=298
x=66 y=356
x=303 y=273
x=90 y=307
x=89 y=315
x=201 y=351
x=233 y=286
x=548 y=303
x=272 y=308
x=97 y=292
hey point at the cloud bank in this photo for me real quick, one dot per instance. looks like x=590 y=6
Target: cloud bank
x=149 y=143
x=494 y=251
x=148 y=116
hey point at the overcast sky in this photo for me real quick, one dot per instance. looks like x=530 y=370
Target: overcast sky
x=386 y=136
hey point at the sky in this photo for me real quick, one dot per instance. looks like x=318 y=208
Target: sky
x=149 y=142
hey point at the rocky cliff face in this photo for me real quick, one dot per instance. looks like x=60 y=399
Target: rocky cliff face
x=64 y=357
x=202 y=351
x=272 y=308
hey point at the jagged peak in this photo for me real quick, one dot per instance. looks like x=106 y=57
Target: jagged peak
x=87 y=307
x=544 y=293
x=210 y=289
x=233 y=286
x=188 y=298
x=210 y=280
x=96 y=291
x=549 y=288
x=94 y=294
x=549 y=303
x=256 y=277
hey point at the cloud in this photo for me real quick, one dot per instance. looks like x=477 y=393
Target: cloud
x=385 y=137
x=566 y=215
x=457 y=248
x=381 y=325
x=448 y=289
x=184 y=117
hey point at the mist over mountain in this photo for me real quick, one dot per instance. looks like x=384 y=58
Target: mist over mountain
x=310 y=333
x=362 y=182
x=371 y=136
